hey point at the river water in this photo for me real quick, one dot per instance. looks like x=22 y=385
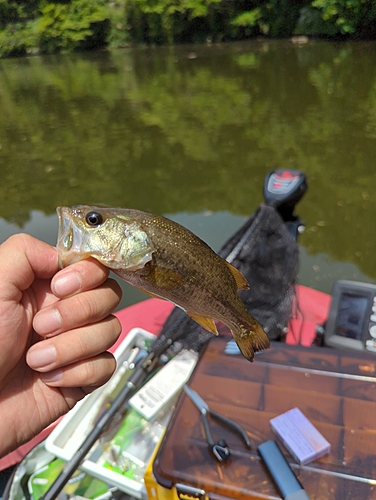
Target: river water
x=191 y=132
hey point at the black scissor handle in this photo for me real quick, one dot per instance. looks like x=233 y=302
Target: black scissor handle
x=233 y=425
x=221 y=450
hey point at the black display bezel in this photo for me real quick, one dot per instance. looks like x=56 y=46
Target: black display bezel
x=340 y=289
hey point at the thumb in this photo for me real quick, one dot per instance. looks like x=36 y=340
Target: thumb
x=22 y=259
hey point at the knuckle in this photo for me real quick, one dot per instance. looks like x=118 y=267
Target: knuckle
x=115 y=286
x=116 y=325
x=93 y=271
x=82 y=347
x=89 y=306
x=114 y=290
x=100 y=302
x=20 y=238
x=100 y=369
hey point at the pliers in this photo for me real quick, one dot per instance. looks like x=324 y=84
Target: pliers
x=220 y=449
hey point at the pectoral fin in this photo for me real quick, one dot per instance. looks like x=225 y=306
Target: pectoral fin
x=163 y=278
x=207 y=323
x=241 y=281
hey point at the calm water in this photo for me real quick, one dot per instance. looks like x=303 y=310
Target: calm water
x=191 y=132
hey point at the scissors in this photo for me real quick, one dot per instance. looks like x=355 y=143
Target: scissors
x=220 y=449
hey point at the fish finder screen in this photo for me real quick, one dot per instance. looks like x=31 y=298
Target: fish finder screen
x=351 y=315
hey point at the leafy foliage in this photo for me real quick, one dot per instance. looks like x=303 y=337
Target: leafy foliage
x=276 y=18
x=30 y=26
x=349 y=16
x=48 y=27
x=67 y=26
x=167 y=20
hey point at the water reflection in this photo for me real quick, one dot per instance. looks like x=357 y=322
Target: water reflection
x=196 y=129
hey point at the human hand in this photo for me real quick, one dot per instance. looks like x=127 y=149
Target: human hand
x=55 y=328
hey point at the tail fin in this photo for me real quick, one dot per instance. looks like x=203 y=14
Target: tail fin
x=250 y=339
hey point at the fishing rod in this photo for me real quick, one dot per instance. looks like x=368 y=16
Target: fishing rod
x=141 y=372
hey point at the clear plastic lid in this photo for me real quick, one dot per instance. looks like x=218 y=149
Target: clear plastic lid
x=335 y=389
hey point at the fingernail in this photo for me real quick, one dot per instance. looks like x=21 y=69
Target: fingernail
x=41 y=355
x=50 y=377
x=47 y=322
x=66 y=284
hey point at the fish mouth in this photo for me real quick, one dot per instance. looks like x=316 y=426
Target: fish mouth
x=70 y=238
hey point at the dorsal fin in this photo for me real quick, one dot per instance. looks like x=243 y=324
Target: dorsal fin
x=241 y=281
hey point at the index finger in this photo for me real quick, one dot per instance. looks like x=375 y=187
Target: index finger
x=79 y=277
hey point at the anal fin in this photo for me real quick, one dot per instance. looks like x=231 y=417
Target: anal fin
x=205 y=322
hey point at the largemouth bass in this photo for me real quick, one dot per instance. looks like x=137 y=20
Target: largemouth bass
x=165 y=260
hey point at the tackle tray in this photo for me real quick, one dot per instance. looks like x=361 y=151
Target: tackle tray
x=335 y=389
x=68 y=435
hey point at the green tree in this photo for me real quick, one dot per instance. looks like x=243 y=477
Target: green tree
x=47 y=26
x=275 y=18
x=165 y=20
x=52 y=26
x=72 y=25
x=349 y=16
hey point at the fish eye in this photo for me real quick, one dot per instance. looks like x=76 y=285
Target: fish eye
x=94 y=219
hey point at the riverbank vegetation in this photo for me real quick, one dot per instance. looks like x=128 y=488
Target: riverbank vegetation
x=46 y=26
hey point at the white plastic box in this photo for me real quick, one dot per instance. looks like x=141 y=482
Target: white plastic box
x=69 y=434
x=300 y=436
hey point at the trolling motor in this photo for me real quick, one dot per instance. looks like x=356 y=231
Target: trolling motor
x=283 y=189
x=266 y=252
